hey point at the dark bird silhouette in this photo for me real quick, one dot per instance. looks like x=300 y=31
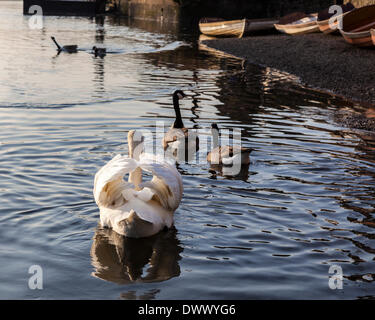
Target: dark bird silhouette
x=99 y=52
x=68 y=49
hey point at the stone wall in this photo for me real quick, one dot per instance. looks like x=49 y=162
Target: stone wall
x=193 y=10
x=149 y=9
x=361 y=3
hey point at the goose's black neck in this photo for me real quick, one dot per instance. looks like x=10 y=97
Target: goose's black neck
x=58 y=46
x=178 y=122
x=215 y=137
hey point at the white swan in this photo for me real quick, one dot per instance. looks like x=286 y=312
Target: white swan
x=135 y=209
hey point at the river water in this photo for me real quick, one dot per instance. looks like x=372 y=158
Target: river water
x=306 y=202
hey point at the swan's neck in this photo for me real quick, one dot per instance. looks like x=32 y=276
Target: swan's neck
x=215 y=138
x=58 y=46
x=135 y=150
x=178 y=122
x=135 y=178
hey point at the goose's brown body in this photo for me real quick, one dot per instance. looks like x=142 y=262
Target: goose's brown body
x=216 y=155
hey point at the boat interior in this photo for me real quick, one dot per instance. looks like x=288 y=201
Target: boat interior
x=360 y=20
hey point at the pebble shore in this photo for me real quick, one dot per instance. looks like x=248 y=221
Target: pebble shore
x=321 y=61
x=324 y=62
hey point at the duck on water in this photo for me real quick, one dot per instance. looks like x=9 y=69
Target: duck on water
x=99 y=52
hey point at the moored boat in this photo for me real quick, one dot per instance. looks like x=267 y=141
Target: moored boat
x=298 y=23
x=325 y=16
x=217 y=27
x=357 y=26
x=373 y=36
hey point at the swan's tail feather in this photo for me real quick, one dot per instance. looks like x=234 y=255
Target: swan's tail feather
x=135 y=227
x=109 y=183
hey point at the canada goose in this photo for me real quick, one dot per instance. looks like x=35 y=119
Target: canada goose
x=69 y=48
x=135 y=209
x=99 y=52
x=227 y=155
x=178 y=135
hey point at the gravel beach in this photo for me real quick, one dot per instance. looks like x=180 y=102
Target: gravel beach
x=321 y=61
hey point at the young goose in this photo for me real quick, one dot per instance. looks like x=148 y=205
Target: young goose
x=135 y=209
x=227 y=155
x=178 y=135
x=69 y=48
x=99 y=52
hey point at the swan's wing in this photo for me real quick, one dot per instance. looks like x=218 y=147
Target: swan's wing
x=166 y=183
x=109 y=182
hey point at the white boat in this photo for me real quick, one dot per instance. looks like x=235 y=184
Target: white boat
x=216 y=27
x=305 y=25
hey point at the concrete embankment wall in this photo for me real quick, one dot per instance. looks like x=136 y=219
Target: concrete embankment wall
x=149 y=9
x=360 y=3
x=175 y=10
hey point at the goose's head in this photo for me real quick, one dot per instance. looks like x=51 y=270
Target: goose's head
x=135 y=143
x=179 y=94
x=94 y=48
x=215 y=129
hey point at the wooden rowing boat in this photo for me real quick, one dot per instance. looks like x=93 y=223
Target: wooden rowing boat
x=216 y=27
x=324 y=19
x=373 y=36
x=357 y=26
x=307 y=24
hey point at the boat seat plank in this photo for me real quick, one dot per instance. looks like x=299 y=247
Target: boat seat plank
x=365 y=27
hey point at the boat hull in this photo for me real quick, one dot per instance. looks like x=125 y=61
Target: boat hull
x=291 y=29
x=324 y=19
x=357 y=26
x=326 y=28
x=305 y=25
x=235 y=28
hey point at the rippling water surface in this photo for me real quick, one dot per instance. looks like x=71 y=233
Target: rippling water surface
x=305 y=203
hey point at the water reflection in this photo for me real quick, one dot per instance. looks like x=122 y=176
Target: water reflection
x=125 y=260
x=229 y=172
x=99 y=30
x=132 y=295
x=98 y=79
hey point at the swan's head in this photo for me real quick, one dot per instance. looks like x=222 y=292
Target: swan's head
x=53 y=38
x=135 y=143
x=179 y=94
x=94 y=48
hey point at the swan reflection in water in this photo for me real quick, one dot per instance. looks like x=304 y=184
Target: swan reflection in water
x=123 y=260
x=229 y=172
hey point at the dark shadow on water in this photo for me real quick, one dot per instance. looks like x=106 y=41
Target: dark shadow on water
x=124 y=260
